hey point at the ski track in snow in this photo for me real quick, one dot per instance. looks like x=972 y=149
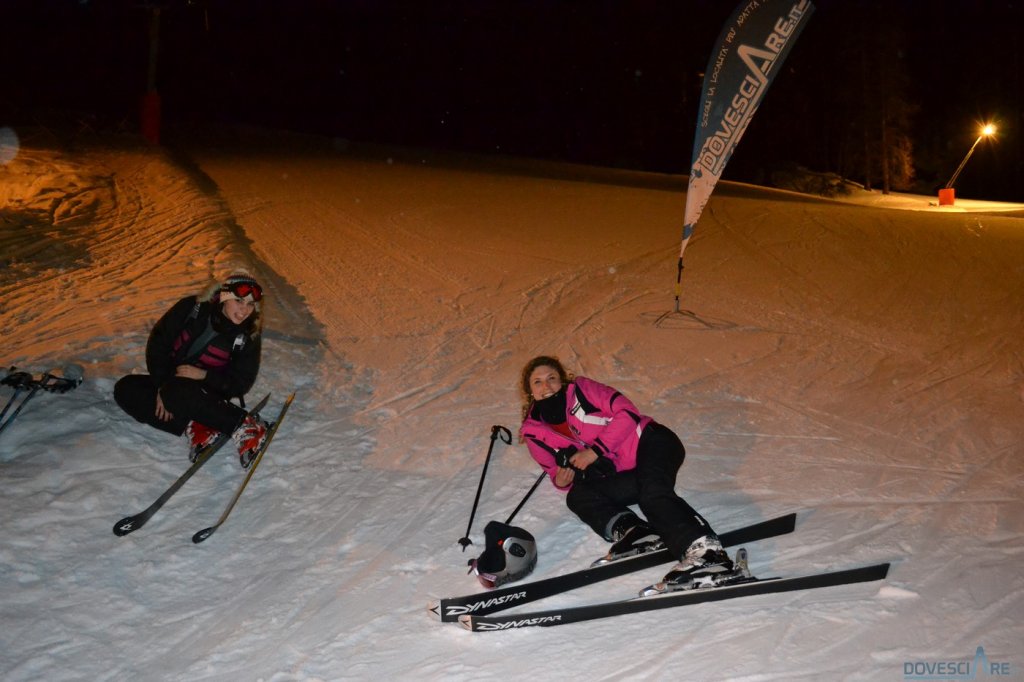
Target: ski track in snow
x=857 y=365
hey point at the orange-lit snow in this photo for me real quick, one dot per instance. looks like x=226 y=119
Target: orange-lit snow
x=859 y=364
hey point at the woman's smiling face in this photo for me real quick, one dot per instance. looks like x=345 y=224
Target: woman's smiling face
x=544 y=382
x=238 y=310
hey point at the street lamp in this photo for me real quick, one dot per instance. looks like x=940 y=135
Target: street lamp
x=987 y=131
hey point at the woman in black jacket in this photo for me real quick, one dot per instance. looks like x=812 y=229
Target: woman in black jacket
x=204 y=351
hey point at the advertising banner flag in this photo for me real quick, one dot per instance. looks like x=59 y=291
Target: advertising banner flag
x=749 y=53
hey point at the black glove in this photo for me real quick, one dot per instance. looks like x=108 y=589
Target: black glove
x=601 y=468
x=562 y=457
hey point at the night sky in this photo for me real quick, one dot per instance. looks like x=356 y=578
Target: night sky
x=612 y=82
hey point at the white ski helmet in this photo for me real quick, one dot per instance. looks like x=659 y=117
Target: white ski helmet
x=510 y=554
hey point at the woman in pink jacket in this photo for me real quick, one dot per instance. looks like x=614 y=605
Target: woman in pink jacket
x=605 y=455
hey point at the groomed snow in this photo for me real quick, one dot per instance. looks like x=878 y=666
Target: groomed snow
x=858 y=364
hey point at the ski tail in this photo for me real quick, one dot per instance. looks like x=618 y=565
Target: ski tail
x=780 y=525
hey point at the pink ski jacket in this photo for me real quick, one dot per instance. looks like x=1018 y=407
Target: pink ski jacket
x=599 y=417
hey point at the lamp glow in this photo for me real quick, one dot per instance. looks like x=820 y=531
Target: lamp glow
x=986 y=131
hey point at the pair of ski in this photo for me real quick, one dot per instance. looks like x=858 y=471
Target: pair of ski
x=133 y=523
x=479 y=612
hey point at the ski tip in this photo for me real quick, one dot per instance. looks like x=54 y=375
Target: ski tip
x=466 y=622
x=202 y=535
x=288 y=401
x=434 y=607
x=124 y=526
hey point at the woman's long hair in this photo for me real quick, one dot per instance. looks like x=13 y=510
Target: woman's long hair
x=524 y=379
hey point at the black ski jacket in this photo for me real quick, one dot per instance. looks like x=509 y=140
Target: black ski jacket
x=231 y=357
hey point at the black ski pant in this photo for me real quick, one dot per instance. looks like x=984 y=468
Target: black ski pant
x=600 y=502
x=186 y=399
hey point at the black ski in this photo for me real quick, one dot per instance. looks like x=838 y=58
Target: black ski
x=133 y=523
x=577 y=614
x=207 y=532
x=451 y=608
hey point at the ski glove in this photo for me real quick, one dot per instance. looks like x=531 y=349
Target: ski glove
x=602 y=467
x=562 y=457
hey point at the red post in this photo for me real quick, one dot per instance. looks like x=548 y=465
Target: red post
x=151 y=117
x=150 y=114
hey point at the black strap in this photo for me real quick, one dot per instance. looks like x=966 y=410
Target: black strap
x=199 y=344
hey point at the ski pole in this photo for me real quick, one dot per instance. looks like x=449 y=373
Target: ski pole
x=53 y=381
x=506 y=437
x=17 y=392
x=516 y=510
x=18 y=381
x=31 y=394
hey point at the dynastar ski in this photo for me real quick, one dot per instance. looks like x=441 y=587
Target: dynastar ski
x=576 y=614
x=133 y=523
x=451 y=608
x=207 y=532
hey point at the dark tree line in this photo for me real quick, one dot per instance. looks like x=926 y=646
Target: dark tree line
x=883 y=92
x=892 y=94
x=876 y=145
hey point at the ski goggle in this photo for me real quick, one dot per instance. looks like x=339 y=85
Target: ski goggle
x=242 y=288
x=488 y=580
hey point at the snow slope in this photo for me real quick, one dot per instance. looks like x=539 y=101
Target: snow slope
x=857 y=364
